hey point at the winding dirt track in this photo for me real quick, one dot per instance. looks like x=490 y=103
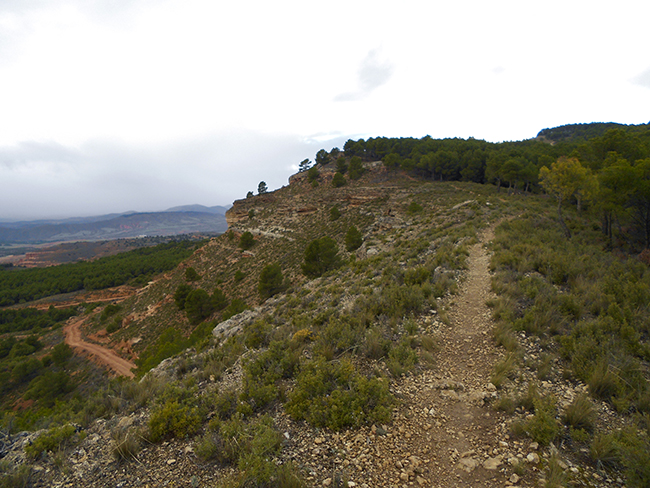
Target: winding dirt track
x=103 y=355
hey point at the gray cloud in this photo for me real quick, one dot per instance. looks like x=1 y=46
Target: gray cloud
x=373 y=73
x=44 y=179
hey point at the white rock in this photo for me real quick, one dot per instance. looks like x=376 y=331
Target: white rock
x=492 y=463
x=532 y=458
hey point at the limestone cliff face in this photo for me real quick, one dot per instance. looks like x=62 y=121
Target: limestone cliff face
x=239 y=212
x=300 y=198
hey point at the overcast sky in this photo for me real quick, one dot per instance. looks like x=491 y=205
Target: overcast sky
x=117 y=105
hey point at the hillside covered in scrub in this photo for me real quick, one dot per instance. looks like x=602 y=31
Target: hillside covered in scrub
x=394 y=316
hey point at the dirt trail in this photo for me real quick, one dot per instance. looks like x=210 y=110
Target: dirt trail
x=103 y=355
x=450 y=437
x=470 y=439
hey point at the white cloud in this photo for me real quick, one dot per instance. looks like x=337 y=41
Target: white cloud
x=200 y=100
x=373 y=72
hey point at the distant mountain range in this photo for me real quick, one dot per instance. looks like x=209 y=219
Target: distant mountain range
x=177 y=220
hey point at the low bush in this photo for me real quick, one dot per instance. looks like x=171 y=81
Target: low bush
x=338 y=180
x=375 y=345
x=173 y=419
x=414 y=208
x=353 y=239
x=236 y=306
x=543 y=427
x=271 y=281
x=51 y=441
x=603 y=383
x=180 y=295
x=246 y=241
x=110 y=310
x=334 y=395
x=192 y=275
x=12 y=476
x=198 y=306
x=263 y=372
x=401 y=358
x=321 y=255
x=219 y=299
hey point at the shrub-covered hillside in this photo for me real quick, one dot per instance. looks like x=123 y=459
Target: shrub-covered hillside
x=307 y=345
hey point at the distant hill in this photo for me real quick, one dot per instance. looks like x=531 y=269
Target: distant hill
x=217 y=209
x=114 y=227
x=584 y=132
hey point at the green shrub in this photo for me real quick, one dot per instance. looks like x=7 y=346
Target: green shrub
x=353 y=239
x=528 y=399
x=338 y=180
x=603 y=449
x=271 y=281
x=61 y=353
x=375 y=345
x=339 y=335
x=173 y=419
x=219 y=299
x=401 y=358
x=543 y=427
x=192 y=275
x=246 y=240
x=239 y=275
x=635 y=456
x=114 y=326
x=321 y=255
x=312 y=174
x=198 y=306
x=503 y=369
x=417 y=276
x=181 y=295
x=225 y=404
x=15 y=476
x=356 y=169
x=256 y=334
x=109 y=311
x=414 y=208
x=50 y=441
x=335 y=213
x=236 y=306
x=341 y=165
x=554 y=474
x=334 y=395
x=263 y=372
x=209 y=447
x=505 y=404
x=47 y=388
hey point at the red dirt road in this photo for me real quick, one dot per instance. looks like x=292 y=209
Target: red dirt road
x=103 y=355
